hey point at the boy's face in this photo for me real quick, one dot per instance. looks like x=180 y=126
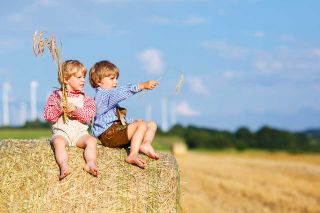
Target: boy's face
x=109 y=82
x=75 y=82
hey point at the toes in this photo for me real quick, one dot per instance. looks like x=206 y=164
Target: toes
x=156 y=156
x=93 y=170
x=63 y=175
x=142 y=161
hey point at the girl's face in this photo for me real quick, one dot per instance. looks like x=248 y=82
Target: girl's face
x=75 y=82
x=109 y=82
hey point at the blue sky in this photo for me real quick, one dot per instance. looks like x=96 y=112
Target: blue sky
x=245 y=62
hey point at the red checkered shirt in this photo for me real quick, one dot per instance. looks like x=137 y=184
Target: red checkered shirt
x=53 y=111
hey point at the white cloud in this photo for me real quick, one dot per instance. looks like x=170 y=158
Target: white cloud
x=230 y=74
x=259 y=34
x=183 y=108
x=160 y=20
x=142 y=1
x=31 y=10
x=314 y=52
x=226 y=50
x=194 y=20
x=197 y=85
x=268 y=66
x=287 y=38
x=190 y=20
x=152 y=61
x=10 y=43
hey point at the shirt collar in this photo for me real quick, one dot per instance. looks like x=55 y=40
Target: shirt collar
x=74 y=93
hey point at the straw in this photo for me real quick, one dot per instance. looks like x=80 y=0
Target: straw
x=39 y=44
x=29 y=181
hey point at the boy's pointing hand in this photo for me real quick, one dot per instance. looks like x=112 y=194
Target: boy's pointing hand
x=149 y=85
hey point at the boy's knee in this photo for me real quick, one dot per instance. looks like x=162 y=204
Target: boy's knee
x=152 y=125
x=142 y=125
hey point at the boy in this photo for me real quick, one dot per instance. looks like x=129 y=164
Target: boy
x=110 y=124
x=80 y=110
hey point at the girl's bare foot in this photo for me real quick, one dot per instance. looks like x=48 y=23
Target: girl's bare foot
x=64 y=171
x=91 y=168
x=148 y=150
x=136 y=160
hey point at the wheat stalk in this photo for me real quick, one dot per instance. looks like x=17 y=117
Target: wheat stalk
x=180 y=82
x=40 y=42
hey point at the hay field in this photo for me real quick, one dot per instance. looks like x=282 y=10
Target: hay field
x=249 y=182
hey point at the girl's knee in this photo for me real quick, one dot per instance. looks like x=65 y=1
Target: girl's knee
x=58 y=142
x=92 y=141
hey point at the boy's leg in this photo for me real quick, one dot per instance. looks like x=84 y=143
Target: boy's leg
x=146 y=146
x=89 y=144
x=59 y=144
x=136 y=132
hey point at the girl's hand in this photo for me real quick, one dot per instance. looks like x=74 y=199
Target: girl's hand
x=68 y=108
x=149 y=85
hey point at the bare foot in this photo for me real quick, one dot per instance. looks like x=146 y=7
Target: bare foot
x=148 y=150
x=64 y=171
x=136 y=160
x=91 y=168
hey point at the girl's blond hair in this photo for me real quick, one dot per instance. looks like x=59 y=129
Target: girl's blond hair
x=100 y=70
x=71 y=67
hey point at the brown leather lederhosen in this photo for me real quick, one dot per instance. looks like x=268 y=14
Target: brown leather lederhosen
x=116 y=135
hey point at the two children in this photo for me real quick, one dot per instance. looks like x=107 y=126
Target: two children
x=110 y=124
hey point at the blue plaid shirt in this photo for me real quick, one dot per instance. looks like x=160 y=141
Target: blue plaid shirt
x=107 y=100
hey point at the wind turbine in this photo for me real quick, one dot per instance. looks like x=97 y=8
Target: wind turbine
x=164 y=115
x=33 y=99
x=5 y=102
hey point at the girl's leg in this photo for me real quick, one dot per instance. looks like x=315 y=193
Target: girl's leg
x=136 y=132
x=59 y=145
x=146 y=146
x=89 y=144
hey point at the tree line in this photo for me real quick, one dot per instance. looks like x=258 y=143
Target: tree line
x=265 y=138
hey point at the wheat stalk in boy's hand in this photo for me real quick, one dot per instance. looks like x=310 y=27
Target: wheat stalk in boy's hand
x=180 y=83
x=39 y=44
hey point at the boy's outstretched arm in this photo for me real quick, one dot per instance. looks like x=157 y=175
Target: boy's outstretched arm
x=108 y=99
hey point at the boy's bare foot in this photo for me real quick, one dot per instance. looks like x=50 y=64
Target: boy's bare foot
x=136 y=160
x=64 y=171
x=91 y=168
x=148 y=150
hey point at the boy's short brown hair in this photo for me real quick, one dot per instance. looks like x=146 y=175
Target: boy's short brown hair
x=71 y=67
x=100 y=70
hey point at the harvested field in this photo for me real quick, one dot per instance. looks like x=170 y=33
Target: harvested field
x=249 y=182
x=29 y=181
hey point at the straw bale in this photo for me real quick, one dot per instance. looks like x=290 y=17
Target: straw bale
x=179 y=148
x=29 y=181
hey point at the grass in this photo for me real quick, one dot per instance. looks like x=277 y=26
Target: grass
x=24 y=133
x=161 y=142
